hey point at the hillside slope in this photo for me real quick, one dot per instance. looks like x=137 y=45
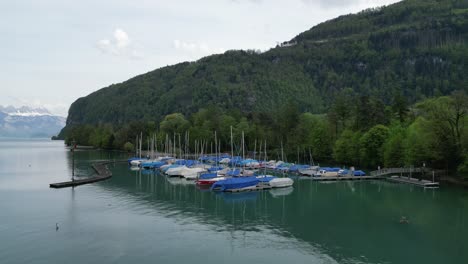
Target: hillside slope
x=415 y=48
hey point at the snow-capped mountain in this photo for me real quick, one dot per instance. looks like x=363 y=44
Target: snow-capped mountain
x=29 y=122
x=25 y=111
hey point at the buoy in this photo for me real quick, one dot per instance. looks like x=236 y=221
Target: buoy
x=404 y=220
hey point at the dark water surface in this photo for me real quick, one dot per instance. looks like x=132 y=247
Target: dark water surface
x=138 y=217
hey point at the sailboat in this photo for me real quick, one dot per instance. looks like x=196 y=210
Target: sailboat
x=273 y=181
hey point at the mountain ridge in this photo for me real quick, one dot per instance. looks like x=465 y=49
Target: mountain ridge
x=29 y=122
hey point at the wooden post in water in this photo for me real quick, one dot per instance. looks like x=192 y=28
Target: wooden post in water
x=73 y=159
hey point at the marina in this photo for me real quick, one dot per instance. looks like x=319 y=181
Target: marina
x=309 y=222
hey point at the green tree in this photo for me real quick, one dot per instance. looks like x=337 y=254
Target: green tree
x=418 y=143
x=371 y=145
x=394 y=147
x=347 y=146
x=446 y=121
x=102 y=137
x=129 y=147
x=400 y=107
x=174 y=124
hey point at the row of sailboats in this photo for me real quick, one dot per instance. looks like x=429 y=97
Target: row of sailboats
x=226 y=174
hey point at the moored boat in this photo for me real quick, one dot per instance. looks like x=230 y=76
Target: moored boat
x=208 y=179
x=233 y=184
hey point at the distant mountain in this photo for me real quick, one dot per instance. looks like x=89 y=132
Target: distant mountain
x=414 y=48
x=28 y=122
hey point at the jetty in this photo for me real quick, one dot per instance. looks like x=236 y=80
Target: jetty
x=103 y=173
x=396 y=175
x=413 y=181
x=344 y=178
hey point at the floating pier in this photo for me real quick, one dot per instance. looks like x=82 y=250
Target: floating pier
x=103 y=173
x=344 y=178
x=413 y=181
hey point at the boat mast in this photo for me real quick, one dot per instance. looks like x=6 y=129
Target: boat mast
x=232 y=149
x=260 y=152
x=243 y=151
x=255 y=148
x=155 y=145
x=136 y=146
x=216 y=147
x=265 y=158
x=180 y=148
x=141 y=142
x=282 y=154
x=311 y=159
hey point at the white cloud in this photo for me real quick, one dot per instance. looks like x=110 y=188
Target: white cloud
x=121 y=38
x=119 y=45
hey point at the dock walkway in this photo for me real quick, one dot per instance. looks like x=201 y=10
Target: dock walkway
x=344 y=178
x=103 y=173
x=413 y=181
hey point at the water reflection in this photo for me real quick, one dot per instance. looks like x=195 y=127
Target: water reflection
x=347 y=219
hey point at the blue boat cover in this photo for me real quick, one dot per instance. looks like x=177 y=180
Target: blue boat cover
x=297 y=167
x=187 y=163
x=265 y=178
x=356 y=173
x=171 y=166
x=328 y=169
x=234 y=183
x=233 y=172
x=359 y=173
x=152 y=164
x=215 y=168
x=205 y=176
x=236 y=160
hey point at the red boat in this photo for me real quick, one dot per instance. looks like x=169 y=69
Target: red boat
x=208 y=182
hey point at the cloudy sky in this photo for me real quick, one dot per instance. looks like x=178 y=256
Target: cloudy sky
x=55 y=51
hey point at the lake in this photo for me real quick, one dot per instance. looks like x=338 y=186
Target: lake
x=142 y=217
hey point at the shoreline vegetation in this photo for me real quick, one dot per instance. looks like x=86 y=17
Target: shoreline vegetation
x=365 y=133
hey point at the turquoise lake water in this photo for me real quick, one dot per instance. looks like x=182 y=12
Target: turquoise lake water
x=140 y=217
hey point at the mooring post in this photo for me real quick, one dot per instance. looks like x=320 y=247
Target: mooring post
x=73 y=159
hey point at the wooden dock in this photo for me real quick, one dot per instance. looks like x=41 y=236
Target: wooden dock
x=344 y=178
x=413 y=181
x=103 y=173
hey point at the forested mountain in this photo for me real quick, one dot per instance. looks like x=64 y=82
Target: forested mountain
x=414 y=48
x=384 y=87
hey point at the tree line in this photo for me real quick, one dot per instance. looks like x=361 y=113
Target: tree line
x=355 y=131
